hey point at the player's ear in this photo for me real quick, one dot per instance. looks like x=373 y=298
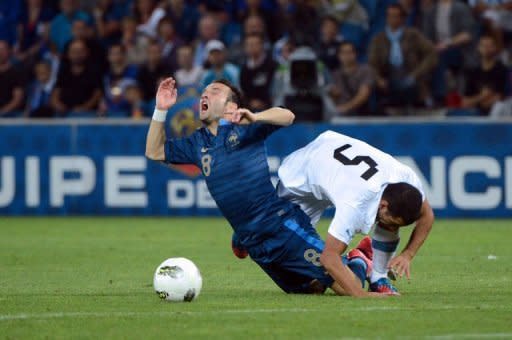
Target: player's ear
x=383 y=203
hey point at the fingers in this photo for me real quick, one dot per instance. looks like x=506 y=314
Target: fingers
x=168 y=83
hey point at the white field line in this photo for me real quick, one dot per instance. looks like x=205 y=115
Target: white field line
x=58 y=315
x=471 y=336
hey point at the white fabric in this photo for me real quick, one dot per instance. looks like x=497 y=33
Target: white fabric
x=190 y=77
x=316 y=180
x=501 y=109
x=382 y=258
x=443 y=22
x=159 y=115
x=150 y=27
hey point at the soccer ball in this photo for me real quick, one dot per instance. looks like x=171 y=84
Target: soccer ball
x=177 y=279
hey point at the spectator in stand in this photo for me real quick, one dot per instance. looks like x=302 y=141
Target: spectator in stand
x=486 y=84
x=218 y=67
x=82 y=31
x=271 y=21
x=350 y=11
x=257 y=73
x=138 y=108
x=60 y=27
x=496 y=16
x=185 y=18
x=78 y=87
x=40 y=91
x=304 y=22
x=330 y=39
x=148 y=15
x=134 y=43
x=253 y=24
x=450 y=25
x=151 y=71
x=208 y=30
x=404 y=61
x=352 y=83
x=32 y=30
x=52 y=56
x=108 y=16
x=169 y=41
x=188 y=74
x=11 y=83
x=120 y=74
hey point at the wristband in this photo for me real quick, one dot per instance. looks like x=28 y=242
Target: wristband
x=159 y=115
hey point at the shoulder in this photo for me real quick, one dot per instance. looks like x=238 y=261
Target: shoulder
x=379 y=38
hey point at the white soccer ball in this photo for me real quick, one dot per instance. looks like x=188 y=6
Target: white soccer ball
x=177 y=279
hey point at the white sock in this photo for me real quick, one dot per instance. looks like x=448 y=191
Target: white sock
x=384 y=244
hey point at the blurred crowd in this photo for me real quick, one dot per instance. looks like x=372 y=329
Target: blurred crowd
x=323 y=58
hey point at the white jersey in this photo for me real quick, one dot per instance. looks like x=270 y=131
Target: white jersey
x=336 y=170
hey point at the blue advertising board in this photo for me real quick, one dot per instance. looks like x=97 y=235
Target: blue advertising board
x=90 y=167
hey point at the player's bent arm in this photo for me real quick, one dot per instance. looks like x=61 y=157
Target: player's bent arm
x=331 y=260
x=275 y=116
x=165 y=98
x=421 y=230
x=155 y=141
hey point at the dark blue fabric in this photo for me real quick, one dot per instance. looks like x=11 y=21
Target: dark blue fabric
x=237 y=176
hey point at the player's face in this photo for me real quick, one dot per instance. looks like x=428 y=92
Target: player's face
x=388 y=221
x=214 y=102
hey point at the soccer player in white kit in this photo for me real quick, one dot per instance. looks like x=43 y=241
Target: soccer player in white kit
x=368 y=188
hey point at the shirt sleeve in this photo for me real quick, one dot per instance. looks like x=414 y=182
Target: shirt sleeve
x=259 y=132
x=345 y=223
x=180 y=150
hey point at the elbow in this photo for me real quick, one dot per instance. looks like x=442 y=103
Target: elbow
x=290 y=116
x=151 y=155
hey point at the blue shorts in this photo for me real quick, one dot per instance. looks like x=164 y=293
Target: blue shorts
x=292 y=257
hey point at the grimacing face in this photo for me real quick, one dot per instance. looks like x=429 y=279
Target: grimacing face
x=214 y=103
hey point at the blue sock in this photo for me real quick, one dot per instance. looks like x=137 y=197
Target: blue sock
x=358 y=267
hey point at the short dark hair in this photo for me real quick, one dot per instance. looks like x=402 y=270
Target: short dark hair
x=236 y=95
x=400 y=8
x=489 y=37
x=347 y=43
x=331 y=19
x=404 y=201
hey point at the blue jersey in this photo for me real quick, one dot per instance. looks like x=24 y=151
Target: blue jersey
x=235 y=167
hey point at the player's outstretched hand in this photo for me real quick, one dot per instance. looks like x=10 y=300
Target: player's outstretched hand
x=167 y=94
x=241 y=116
x=380 y=295
x=401 y=265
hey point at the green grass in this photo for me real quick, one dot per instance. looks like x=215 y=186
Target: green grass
x=92 y=278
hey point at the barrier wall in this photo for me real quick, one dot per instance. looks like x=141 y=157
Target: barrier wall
x=90 y=167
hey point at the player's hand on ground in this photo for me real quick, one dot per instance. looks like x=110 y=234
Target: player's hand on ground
x=380 y=295
x=167 y=94
x=401 y=265
x=242 y=116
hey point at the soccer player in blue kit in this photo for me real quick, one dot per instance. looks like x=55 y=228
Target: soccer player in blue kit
x=230 y=150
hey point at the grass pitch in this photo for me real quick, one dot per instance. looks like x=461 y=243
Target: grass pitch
x=92 y=278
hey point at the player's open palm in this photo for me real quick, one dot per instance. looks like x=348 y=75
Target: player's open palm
x=167 y=94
